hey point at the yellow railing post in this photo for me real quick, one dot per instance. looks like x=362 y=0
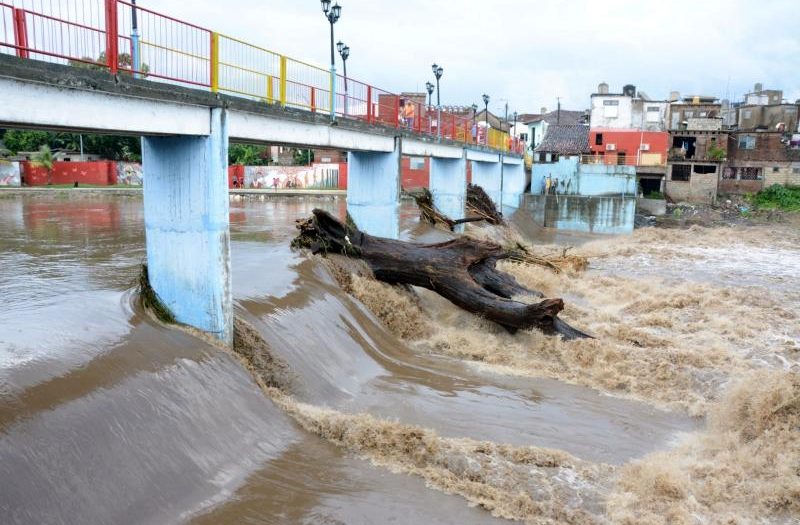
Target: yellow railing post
x=215 y=62
x=283 y=81
x=270 y=94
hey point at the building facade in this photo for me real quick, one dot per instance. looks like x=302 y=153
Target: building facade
x=698 y=149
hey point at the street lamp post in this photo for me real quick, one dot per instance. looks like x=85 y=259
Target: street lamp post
x=486 y=116
x=332 y=13
x=474 y=129
x=515 y=128
x=429 y=87
x=344 y=52
x=437 y=72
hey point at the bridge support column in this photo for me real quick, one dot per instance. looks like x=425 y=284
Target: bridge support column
x=187 y=226
x=373 y=191
x=487 y=176
x=514 y=182
x=448 y=183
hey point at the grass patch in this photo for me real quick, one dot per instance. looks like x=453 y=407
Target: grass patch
x=778 y=197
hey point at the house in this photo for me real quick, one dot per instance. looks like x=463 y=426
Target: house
x=59 y=155
x=538 y=124
x=563 y=140
x=757 y=160
x=629 y=128
x=765 y=109
x=563 y=157
x=698 y=147
x=630 y=109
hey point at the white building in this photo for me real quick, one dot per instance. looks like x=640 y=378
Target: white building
x=627 y=110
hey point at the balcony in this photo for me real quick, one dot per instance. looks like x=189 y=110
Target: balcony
x=643 y=160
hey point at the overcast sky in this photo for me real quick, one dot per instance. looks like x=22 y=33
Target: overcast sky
x=531 y=51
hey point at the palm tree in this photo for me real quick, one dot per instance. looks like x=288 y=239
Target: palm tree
x=44 y=159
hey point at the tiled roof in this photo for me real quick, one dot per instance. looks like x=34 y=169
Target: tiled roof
x=571 y=139
x=528 y=117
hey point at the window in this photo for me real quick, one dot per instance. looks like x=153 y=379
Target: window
x=795 y=170
x=776 y=169
x=653 y=114
x=681 y=172
x=747 y=142
x=688 y=114
x=702 y=169
x=598 y=139
x=610 y=108
x=748 y=113
x=703 y=114
x=749 y=173
x=417 y=163
x=523 y=137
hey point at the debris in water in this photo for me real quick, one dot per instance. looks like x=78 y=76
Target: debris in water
x=463 y=270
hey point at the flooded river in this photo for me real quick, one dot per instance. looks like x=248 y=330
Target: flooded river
x=108 y=417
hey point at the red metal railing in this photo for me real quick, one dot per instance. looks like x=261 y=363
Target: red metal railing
x=99 y=34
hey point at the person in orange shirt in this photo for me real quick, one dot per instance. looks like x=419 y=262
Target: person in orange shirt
x=408 y=113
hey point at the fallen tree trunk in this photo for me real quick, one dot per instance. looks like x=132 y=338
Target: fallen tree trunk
x=462 y=270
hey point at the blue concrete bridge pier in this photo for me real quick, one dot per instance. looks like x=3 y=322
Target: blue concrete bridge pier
x=448 y=184
x=187 y=225
x=514 y=181
x=373 y=191
x=487 y=173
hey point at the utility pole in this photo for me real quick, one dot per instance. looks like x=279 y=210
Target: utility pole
x=558 y=111
x=502 y=161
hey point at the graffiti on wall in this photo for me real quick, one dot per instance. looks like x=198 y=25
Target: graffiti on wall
x=281 y=177
x=9 y=173
x=129 y=173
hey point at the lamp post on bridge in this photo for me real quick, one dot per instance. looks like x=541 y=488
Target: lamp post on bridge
x=429 y=87
x=344 y=52
x=474 y=130
x=486 y=116
x=514 y=132
x=332 y=13
x=437 y=72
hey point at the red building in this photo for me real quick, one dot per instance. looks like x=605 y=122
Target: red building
x=647 y=150
x=629 y=146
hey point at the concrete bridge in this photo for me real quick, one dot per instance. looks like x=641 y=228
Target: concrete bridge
x=185 y=143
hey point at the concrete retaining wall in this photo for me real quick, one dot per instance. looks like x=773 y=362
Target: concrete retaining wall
x=585 y=179
x=582 y=213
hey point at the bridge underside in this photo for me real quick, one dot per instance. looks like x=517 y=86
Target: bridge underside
x=186 y=133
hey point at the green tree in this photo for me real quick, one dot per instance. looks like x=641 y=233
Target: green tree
x=109 y=147
x=22 y=140
x=44 y=159
x=248 y=155
x=303 y=157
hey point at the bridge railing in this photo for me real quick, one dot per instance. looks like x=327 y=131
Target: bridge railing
x=100 y=34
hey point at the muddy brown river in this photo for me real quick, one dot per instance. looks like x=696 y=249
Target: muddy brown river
x=107 y=417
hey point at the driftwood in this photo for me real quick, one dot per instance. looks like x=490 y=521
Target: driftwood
x=462 y=270
x=431 y=214
x=479 y=205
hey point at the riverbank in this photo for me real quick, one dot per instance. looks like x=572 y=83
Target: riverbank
x=137 y=190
